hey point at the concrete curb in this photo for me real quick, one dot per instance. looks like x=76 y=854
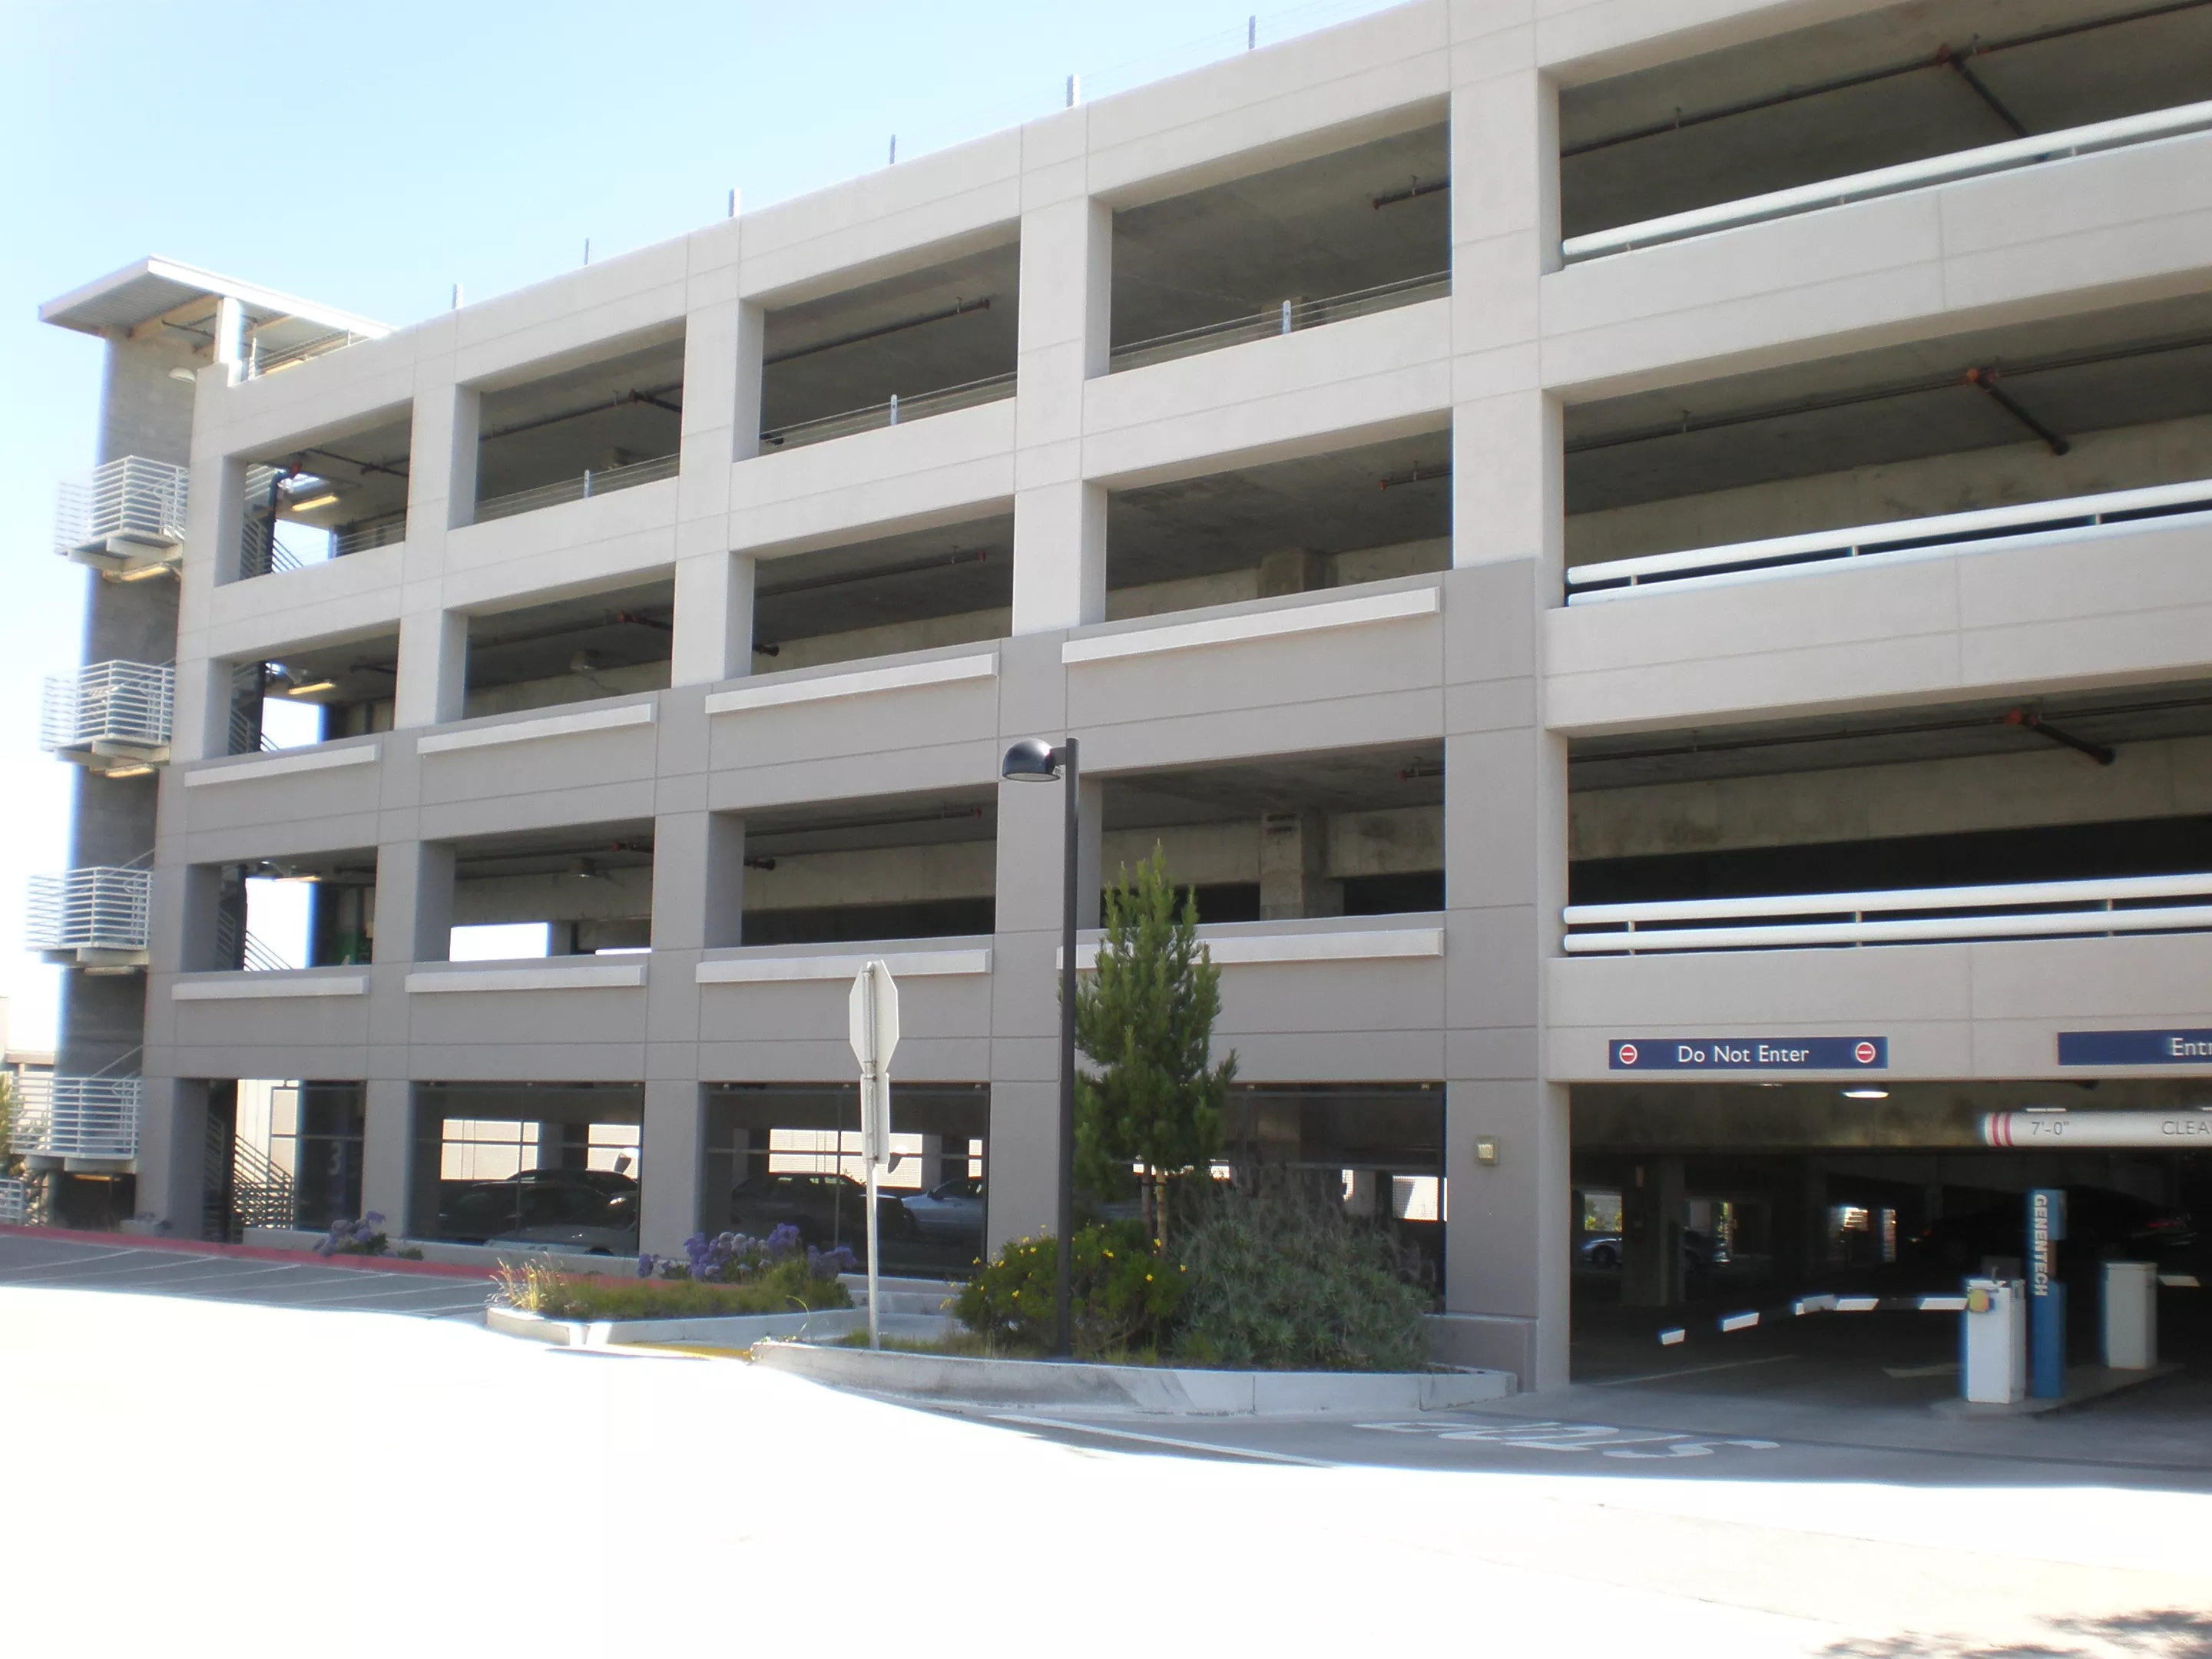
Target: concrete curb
x=1158 y=1391
x=733 y=1331
x=736 y=1331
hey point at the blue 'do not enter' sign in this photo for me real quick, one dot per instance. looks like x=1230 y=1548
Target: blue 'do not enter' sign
x=1845 y=1053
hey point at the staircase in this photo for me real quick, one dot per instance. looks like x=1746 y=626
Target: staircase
x=260 y=1194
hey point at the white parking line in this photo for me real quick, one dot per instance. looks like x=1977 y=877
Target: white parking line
x=1689 y=1371
x=18 y=1275
x=225 y=1273
x=1161 y=1440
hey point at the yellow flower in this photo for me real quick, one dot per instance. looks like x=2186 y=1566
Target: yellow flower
x=1148 y=1279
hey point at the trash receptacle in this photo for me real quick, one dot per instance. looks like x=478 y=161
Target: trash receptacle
x=1993 y=1341
x=2130 y=1315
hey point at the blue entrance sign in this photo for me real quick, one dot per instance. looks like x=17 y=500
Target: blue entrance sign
x=1748 y=1054
x=2134 y=1047
x=2046 y=1297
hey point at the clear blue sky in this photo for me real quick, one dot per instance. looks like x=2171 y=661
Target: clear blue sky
x=369 y=156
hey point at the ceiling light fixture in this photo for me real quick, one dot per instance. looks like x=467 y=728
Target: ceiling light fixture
x=143 y=573
x=310 y=687
x=1866 y=1094
x=314 y=502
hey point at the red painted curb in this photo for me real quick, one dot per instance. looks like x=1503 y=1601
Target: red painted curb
x=263 y=1253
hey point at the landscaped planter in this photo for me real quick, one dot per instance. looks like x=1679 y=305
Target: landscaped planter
x=1157 y=1390
x=708 y=1330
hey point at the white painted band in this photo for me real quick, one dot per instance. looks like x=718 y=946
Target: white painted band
x=255 y=986
x=903 y=676
x=277 y=765
x=770 y=971
x=600 y=976
x=1265 y=949
x=553 y=726
x=1255 y=625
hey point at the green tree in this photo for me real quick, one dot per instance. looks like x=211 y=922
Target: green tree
x=10 y=1102
x=1147 y=1019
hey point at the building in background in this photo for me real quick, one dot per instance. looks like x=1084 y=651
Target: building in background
x=1652 y=571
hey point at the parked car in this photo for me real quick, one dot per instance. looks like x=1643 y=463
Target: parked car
x=2100 y=1225
x=592 y=1210
x=951 y=1211
x=827 y=1209
x=1700 y=1251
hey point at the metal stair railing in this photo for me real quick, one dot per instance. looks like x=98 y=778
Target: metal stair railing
x=261 y=1193
x=122 y=702
x=101 y=908
x=129 y=497
x=78 y=1117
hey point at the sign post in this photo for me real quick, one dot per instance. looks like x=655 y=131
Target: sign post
x=874 y=1029
x=2046 y=1297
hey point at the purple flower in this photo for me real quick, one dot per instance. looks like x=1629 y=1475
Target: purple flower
x=372 y=1219
x=646 y=1264
x=783 y=1241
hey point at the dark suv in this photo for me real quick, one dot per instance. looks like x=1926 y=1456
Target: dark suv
x=827 y=1209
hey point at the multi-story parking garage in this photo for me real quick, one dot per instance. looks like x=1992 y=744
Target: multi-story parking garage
x=1651 y=565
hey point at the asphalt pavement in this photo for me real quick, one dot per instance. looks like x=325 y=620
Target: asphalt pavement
x=30 y=1261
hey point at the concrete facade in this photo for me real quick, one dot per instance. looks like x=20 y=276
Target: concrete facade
x=1482 y=659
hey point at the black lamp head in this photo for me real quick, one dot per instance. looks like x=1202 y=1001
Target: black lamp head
x=1030 y=761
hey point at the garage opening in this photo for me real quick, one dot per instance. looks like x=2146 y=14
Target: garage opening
x=1360 y=514
x=789 y=1154
x=1698 y=1204
x=550 y=1165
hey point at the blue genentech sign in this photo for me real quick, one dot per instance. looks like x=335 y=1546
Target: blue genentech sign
x=1748 y=1054
x=2134 y=1047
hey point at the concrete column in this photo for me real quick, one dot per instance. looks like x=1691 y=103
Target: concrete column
x=441 y=475
x=929 y=1162
x=722 y=338
x=1654 y=1214
x=434 y=659
x=1059 y=521
x=713 y=637
x=414 y=902
x=388 y=1152
x=698 y=880
x=1294 y=868
x=230 y=346
x=1294 y=570
x=171 y=1142
x=671 y=1156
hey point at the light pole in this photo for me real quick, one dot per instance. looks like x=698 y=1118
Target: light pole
x=1034 y=761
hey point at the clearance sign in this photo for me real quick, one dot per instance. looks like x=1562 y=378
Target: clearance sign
x=1748 y=1054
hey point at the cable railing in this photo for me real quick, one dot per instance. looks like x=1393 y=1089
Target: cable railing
x=2110 y=906
x=77 y=1117
x=595 y=481
x=2036 y=523
x=893 y=411
x=100 y=911
x=107 y=708
x=360 y=537
x=1893 y=180
x=131 y=499
x=259 y=362
x=1290 y=317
